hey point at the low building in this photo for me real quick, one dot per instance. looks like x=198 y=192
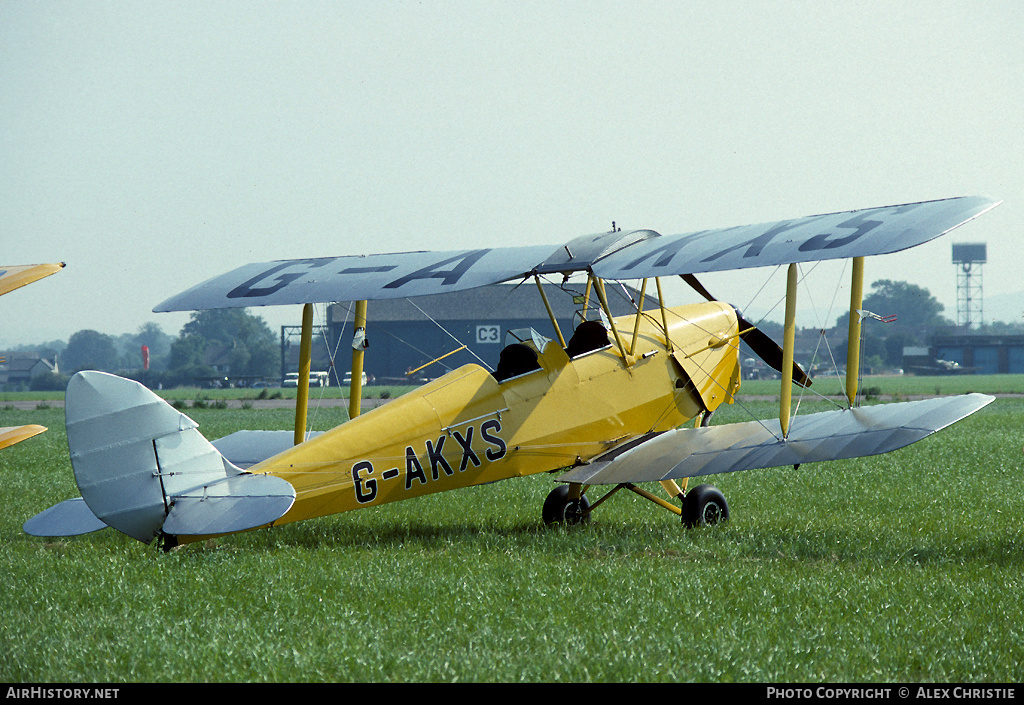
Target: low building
x=21 y=368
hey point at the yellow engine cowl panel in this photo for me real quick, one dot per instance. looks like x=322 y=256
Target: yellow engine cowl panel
x=705 y=341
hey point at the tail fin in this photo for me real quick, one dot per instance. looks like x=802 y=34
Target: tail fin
x=143 y=467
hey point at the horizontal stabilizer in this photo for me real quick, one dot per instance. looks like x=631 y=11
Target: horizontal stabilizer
x=9 y=435
x=72 y=517
x=830 y=435
x=134 y=455
x=232 y=504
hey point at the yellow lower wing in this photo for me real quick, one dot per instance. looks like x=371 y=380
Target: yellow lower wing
x=9 y=435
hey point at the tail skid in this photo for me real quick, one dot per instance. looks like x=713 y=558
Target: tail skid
x=144 y=469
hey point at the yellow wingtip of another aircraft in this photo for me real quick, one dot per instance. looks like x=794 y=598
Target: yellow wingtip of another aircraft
x=9 y=435
x=15 y=277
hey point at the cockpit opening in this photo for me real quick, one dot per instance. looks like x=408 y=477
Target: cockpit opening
x=588 y=336
x=516 y=359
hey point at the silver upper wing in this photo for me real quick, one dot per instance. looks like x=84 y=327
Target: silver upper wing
x=631 y=254
x=354 y=278
x=874 y=231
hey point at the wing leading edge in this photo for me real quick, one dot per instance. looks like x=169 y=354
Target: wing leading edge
x=829 y=435
x=634 y=254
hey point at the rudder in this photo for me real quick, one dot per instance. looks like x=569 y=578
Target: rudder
x=144 y=469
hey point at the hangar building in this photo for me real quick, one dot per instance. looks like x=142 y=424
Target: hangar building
x=405 y=334
x=982 y=354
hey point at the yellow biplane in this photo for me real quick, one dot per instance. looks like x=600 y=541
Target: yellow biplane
x=614 y=403
x=12 y=278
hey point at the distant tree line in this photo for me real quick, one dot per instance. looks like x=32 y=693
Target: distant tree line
x=240 y=341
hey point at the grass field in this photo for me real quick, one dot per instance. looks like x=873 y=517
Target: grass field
x=903 y=567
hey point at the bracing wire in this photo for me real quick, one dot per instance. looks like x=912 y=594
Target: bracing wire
x=804 y=391
x=448 y=333
x=803 y=279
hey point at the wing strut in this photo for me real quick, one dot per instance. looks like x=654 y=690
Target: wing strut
x=664 y=316
x=789 y=341
x=551 y=314
x=853 y=346
x=586 y=295
x=639 y=315
x=359 y=344
x=627 y=359
x=305 y=354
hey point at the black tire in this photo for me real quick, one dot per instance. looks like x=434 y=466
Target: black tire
x=704 y=505
x=560 y=509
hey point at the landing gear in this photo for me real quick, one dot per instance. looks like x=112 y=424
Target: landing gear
x=561 y=507
x=704 y=505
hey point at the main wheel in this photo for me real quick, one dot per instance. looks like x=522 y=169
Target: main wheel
x=704 y=505
x=559 y=508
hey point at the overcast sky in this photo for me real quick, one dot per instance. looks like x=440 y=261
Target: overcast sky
x=153 y=145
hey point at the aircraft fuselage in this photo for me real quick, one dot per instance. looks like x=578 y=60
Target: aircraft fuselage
x=467 y=428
